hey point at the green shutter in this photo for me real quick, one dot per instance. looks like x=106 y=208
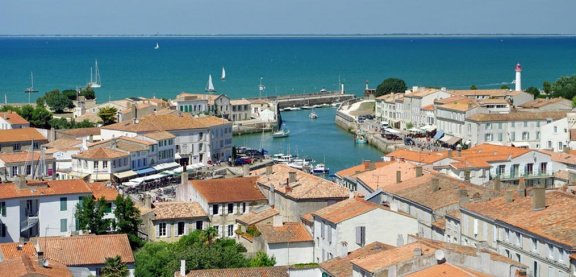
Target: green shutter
x=64 y=225
x=63 y=203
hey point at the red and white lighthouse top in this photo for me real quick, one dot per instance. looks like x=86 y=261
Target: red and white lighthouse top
x=518 y=67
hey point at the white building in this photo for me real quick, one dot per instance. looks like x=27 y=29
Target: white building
x=62 y=150
x=29 y=164
x=169 y=221
x=40 y=209
x=288 y=242
x=415 y=100
x=193 y=104
x=389 y=108
x=12 y=120
x=350 y=224
x=240 y=110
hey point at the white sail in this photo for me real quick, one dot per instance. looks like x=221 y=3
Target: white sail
x=223 y=74
x=157 y=46
x=95 y=82
x=210 y=86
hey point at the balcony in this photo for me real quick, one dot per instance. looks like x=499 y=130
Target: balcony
x=525 y=175
x=28 y=223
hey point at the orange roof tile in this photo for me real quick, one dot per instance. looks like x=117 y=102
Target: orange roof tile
x=13 y=118
x=178 y=210
x=288 y=232
x=482 y=155
x=101 y=153
x=342 y=267
x=64 y=143
x=276 y=271
x=345 y=210
x=255 y=216
x=307 y=186
x=100 y=190
x=360 y=168
x=517 y=116
x=425 y=157
x=421 y=92
x=542 y=102
x=428 y=108
x=51 y=187
x=385 y=177
x=446 y=270
x=383 y=259
x=307 y=218
x=26 y=265
x=20 y=157
x=555 y=222
x=484 y=92
x=461 y=105
x=159 y=135
x=21 y=135
x=10 y=250
x=228 y=190
x=561 y=157
x=168 y=122
x=81 y=132
x=88 y=249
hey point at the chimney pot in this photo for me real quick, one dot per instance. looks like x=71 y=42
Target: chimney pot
x=435 y=184
x=292 y=177
x=366 y=164
x=419 y=171
x=398 y=176
x=417 y=252
x=269 y=170
x=538 y=197
x=147 y=201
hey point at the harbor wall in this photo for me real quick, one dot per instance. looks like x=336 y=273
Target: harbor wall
x=299 y=100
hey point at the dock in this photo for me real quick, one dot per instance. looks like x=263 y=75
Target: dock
x=309 y=99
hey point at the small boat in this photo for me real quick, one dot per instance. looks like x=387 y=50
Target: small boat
x=295 y=109
x=336 y=104
x=157 y=46
x=210 y=85
x=299 y=163
x=31 y=89
x=320 y=169
x=282 y=158
x=313 y=115
x=360 y=139
x=306 y=107
x=223 y=77
x=95 y=81
x=282 y=133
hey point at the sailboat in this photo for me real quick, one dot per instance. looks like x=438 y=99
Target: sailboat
x=95 y=82
x=157 y=46
x=223 y=74
x=31 y=89
x=210 y=85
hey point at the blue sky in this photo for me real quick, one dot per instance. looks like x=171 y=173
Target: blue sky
x=206 y=17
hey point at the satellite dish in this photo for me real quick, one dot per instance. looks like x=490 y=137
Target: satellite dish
x=439 y=255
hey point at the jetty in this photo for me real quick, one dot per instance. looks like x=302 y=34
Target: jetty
x=309 y=99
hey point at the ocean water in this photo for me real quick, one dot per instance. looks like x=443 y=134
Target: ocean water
x=130 y=66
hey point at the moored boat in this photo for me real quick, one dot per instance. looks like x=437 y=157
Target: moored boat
x=313 y=115
x=320 y=169
x=281 y=133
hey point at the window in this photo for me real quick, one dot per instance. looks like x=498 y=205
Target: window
x=217 y=228
x=95 y=164
x=16 y=147
x=518 y=258
x=230 y=208
x=555 y=129
x=114 y=164
x=560 y=146
x=104 y=164
x=488 y=137
x=230 y=230
x=360 y=235
x=181 y=228
x=14 y=170
x=199 y=225
x=3 y=230
x=215 y=209
x=518 y=239
x=108 y=208
x=162 y=229
x=28 y=169
x=500 y=170
x=322 y=229
x=63 y=203
x=64 y=225
x=534 y=245
x=3 y=208
x=243 y=207
x=488 y=126
x=525 y=136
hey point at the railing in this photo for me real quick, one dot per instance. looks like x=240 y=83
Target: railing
x=28 y=223
x=528 y=175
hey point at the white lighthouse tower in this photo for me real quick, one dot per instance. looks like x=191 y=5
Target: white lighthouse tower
x=518 y=80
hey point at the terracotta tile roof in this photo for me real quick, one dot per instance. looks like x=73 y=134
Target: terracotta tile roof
x=392 y=97
x=461 y=105
x=494 y=101
x=541 y=102
x=51 y=187
x=483 y=92
x=421 y=92
x=446 y=270
x=64 y=143
x=561 y=157
x=345 y=210
x=307 y=218
x=342 y=267
x=259 y=101
x=384 y=259
x=424 y=157
x=385 y=177
x=276 y=271
x=360 y=168
x=100 y=190
x=419 y=190
x=167 y=122
x=159 y=135
x=20 y=157
x=516 y=116
x=480 y=156
x=428 y=108
x=88 y=249
x=288 y=232
x=562 y=175
x=138 y=140
x=439 y=224
x=9 y=250
x=450 y=99
x=307 y=186
x=555 y=222
x=100 y=153
x=255 y=216
x=81 y=132
x=201 y=96
x=13 y=118
x=239 y=102
x=124 y=144
x=26 y=265
x=21 y=135
x=228 y=190
x=455 y=214
x=92 y=117
x=178 y=210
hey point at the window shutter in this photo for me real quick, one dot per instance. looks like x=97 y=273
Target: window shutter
x=168 y=233
x=363 y=232
x=329 y=234
x=157 y=229
x=185 y=228
x=322 y=230
x=358 y=235
x=475 y=226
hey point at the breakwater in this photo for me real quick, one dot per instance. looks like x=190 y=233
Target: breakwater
x=309 y=99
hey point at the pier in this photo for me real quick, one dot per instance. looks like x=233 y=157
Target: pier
x=309 y=99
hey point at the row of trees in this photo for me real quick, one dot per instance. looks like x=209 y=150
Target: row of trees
x=200 y=249
x=40 y=117
x=59 y=101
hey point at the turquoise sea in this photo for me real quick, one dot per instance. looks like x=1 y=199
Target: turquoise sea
x=131 y=67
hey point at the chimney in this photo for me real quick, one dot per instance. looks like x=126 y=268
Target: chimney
x=277 y=221
x=398 y=176
x=435 y=184
x=366 y=164
x=147 y=201
x=418 y=171
x=467 y=175
x=269 y=170
x=183 y=268
x=245 y=170
x=566 y=149
x=20 y=182
x=508 y=196
x=184 y=176
x=497 y=184
x=459 y=152
x=522 y=188
x=417 y=252
x=292 y=177
x=538 y=197
x=449 y=153
x=463 y=193
x=372 y=166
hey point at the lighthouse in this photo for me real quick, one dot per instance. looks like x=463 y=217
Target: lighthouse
x=518 y=80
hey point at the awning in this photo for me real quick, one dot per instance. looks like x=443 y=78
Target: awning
x=391 y=131
x=145 y=171
x=415 y=130
x=80 y=175
x=522 y=144
x=446 y=138
x=428 y=128
x=125 y=174
x=101 y=177
x=453 y=140
x=166 y=166
x=438 y=134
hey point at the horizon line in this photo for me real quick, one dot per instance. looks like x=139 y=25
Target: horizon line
x=413 y=35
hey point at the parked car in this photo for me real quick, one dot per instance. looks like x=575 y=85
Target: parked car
x=242 y=161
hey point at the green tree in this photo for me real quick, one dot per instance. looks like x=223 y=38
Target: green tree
x=473 y=87
x=10 y=108
x=40 y=101
x=574 y=102
x=70 y=94
x=26 y=112
x=84 y=124
x=114 y=267
x=90 y=215
x=57 y=101
x=565 y=87
x=40 y=117
x=547 y=87
x=261 y=259
x=390 y=85
x=534 y=91
x=127 y=220
x=108 y=115
x=504 y=87
x=88 y=93
x=59 y=123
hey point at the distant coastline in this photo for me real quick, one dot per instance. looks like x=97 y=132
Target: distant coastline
x=295 y=36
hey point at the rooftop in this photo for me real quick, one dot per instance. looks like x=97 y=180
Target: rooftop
x=385 y=177
x=418 y=156
x=51 y=187
x=167 y=122
x=239 y=102
x=13 y=118
x=21 y=135
x=517 y=116
x=28 y=265
x=345 y=210
x=306 y=186
x=64 y=143
x=555 y=222
x=276 y=271
x=484 y=92
x=461 y=105
x=128 y=144
x=342 y=267
x=383 y=259
x=88 y=249
x=541 y=102
x=561 y=157
x=448 y=270
x=178 y=210
x=101 y=153
x=365 y=166
x=21 y=157
x=100 y=190
x=257 y=215
x=288 y=232
x=81 y=132
x=228 y=190
x=480 y=156
x=421 y=92
x=159 y=135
